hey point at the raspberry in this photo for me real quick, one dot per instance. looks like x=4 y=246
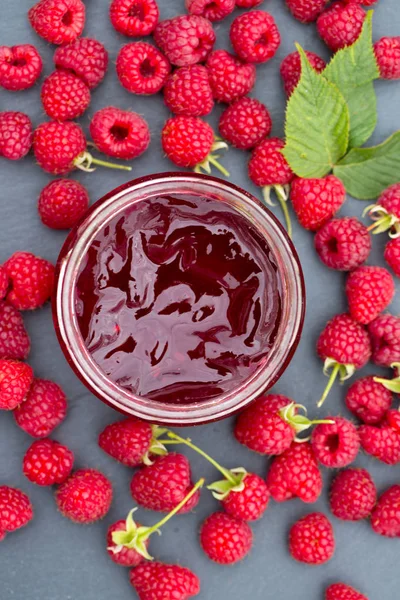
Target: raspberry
x=230 y=78
x=291 y=69
x=383 y=443
x=392 y=255
x=44 y=409
x=15 y=380
x=185 y=40
x=250 y=503
x=157 y=581
x=15 y=510
x=245 y=123
x=336 y=444
x=134 y=18
x=62 y=203
x=129 y=441
x=248 y=3
x=352 y=495
x=343 y=244
x=46 y=462
x=213 y=10
x=315 y=201
x=142 y=69
x=58 y=21
x=368 y=400
x=57 y=146
x=369 y=291
x=126 y=557
x=15 y=135
x=340 y=25
x=14 y=340
x=85 y=497
x=64 y=96
x=188 y=92
x=120 y=133
x=386 y=212
x=385 y=518
x=86 y=58
x=4 y=283
x=384 y=332
x=30 y=280
x=224 y=539
x=341 y=591
x=20 y=67
x=387 y=52
x=255 y=36
x=306 y=11
x=311 y=539
x=267 y=165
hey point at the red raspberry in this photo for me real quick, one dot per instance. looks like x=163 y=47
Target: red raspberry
x=369 y=291
x=30 y=280
x=311 y=539
x=341 y=591
x=187 y=141
x=385 y=518
x=46 y=462
x=291 y=69
x=255 y=36
x=392 y=418
x=14 y=340
x=230 y=78
x=352 y=495
x=157 y=581
x=44 y=409
x=185 y=40
x=245 y=123
x=129 y=441
x=58 y=146
x=315 y=201
x=142 y=69
x=126 y=557
x=162 y=485
x=387 y=52
x=4 y=283
x=295 y=474
x=15 y=510
x=248 y=3
x=58 y=21
x=392 y=255
x=85 y=496
x=20 y=67
x=343 y=244
x=368 y=400
x=64 y=96
x=340 y=25
x=213 y=10
x=224 y=539
x=62 y=203
x=383 y=443
x=188 y=92
x=335 y=445
x=384 y=332
x=386 y=212
x=86 y=58
x=120 y=133
x=306 y=11
x=250 y=503
x=267 y=165
x=15 y=135
x=134 y=18
x=15 y=380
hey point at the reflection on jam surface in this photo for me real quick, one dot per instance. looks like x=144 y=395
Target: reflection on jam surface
x=179 y=300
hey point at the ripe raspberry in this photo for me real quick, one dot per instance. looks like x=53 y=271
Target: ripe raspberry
x=385 y=518
x=62 y=203
x=58 y=146
x=185 y=40
x=44 y=409
x=369 y=291
x=230 y=78
x=15 y=135
x=306 y=11
x=46 y=462
x=340 y=24
x=352 y=495
x=267 y=165
x=15 y=380
x=162 y=485
x=315 y=201
x=142 y=69
x=15 y=510
x=130 y=441
x=85 y=496
x=213 y=10
x=368 y=400
x=392 y=255
x=311 y=539
x=86 y=58
x=392 y=418
x=384 y=332
x=126 y=557
x=387 y=52
x=255 y=36
x=30 y=280
x=120 y=133
x=134 y=18
x=157 y=581
x=20 y=67
x=245 y=123
x=64 y=96
x=341 y=591
x=250 y=503
x=224 y=539
x=4 y=283
x=343 y=244
x=248 y=3
x=386 y=212
x=383 y=443
x=14 y=340
x=188 y=92
x=295 y=474
x=291 y=69
x=336 y=444
x=58 y=21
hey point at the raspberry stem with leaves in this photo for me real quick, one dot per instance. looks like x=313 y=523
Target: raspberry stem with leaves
x=344 y=372
x=85 y=161
x=212 y=159
x=391 y=384
x=282 y=193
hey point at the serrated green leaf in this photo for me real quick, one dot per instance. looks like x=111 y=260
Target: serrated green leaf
x=317 y=124
x=366 y=172
x=363 y=114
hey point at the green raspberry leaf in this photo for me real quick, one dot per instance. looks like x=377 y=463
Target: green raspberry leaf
x=317 y=124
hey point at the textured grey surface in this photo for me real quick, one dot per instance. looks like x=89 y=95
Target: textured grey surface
x=55 y=559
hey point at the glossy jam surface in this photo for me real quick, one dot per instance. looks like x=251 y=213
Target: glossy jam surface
x=179 y=299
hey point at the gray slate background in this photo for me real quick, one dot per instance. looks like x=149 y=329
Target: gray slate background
x=53 y=559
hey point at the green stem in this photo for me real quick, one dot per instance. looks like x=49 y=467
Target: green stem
x=109 y=165
x=282 y=197
x=331 y=381
x=218 y=165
